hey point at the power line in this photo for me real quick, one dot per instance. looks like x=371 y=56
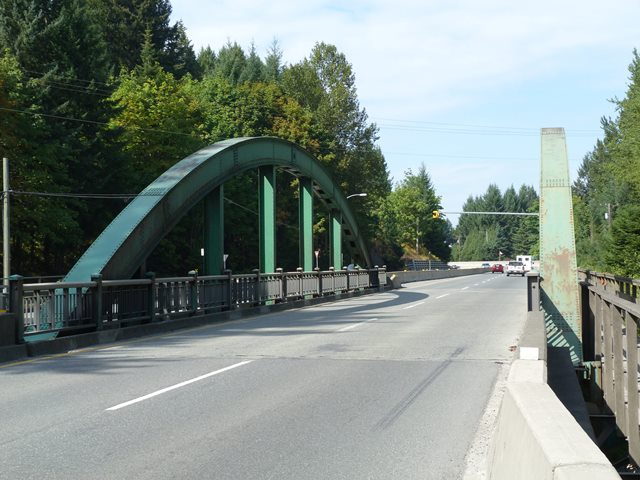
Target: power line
x=500 y=127
x=487 y=132
x=475 y=157
x=115 y=196
x=395 y=124
x=470 y=157
x=93 y=122
x=42 y=74
x=520 y=214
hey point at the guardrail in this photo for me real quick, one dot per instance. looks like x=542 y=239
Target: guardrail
x=417 y=265
x=62 y=308
x=611 y=314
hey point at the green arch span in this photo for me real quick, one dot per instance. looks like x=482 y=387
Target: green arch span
x=122 y=247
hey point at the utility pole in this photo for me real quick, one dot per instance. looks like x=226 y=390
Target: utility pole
x=6 y=254
x=417 y=233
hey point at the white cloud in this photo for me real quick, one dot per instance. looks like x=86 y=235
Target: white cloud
x=408 y=53
x=498 y=62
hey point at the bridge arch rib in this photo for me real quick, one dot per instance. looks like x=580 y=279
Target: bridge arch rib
x=127 y=241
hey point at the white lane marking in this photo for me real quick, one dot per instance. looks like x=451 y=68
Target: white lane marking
x=178 y=385
x=441 y=296
x=464 y=288
x=476 y=284
x=411 y=306
x=344 y=329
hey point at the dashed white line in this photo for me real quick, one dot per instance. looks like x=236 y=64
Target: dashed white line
x=441 y=296
x=178 y=385
x=464 y=288
x=344 y=329
x=411 y=306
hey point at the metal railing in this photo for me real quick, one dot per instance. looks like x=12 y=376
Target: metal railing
x=611 y=314
x=101 y=304
x=417 y=265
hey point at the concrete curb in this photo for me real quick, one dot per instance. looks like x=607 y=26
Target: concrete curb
x=396 y=279
x=11 y=353
x=84 y=340
x=536 y=437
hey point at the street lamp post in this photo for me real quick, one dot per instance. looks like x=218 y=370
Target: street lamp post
x=356 y=195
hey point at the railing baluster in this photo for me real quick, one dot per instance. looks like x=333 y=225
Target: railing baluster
x=633 y=429
x=607 y=360
x=618 y=369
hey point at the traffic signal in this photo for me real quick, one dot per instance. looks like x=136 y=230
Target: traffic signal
x=435 y=214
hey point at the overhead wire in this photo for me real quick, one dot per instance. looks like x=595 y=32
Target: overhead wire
x=93 y=122
x=468 y=129
x=393 y=123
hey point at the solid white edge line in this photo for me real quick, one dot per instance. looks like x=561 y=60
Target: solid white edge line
x=344 y=329
x=441 y=296
x=178 y=385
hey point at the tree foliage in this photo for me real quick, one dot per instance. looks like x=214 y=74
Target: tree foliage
x=102 y=96
x=608 y=189
x=406 y=218
x=493 y=237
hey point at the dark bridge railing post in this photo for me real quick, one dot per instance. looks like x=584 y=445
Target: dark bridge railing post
x=97 y=300
x=533 y=291
x=229 y=281
x=193 y=291
x=151 y=296
x=16 y=305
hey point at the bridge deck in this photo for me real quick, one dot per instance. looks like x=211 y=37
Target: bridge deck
x=391 y=385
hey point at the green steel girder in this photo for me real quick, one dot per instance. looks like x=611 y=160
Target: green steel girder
x=559 y=288
x=126 y=242
x=335 y=239
x=214 y=231
x=267 y=207
x=305 y=221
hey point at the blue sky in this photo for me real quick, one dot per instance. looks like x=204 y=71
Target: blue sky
x=459 y=85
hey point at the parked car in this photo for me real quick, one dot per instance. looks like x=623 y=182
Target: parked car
x=515 y=268
x=485 y=265
x=497 y=268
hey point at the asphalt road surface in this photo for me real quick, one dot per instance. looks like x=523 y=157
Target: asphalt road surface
x=385 y=386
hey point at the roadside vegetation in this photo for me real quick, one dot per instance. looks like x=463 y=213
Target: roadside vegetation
x=606 y=194
x=99 y=97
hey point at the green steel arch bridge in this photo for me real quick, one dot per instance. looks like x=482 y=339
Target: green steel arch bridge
x=124 y=245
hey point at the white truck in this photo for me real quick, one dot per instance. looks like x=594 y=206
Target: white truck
x=515 y=268
x=527 y=261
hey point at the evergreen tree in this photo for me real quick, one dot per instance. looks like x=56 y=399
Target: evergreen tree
x=231 y=63
x=273 y=63
x=124 y=26
x=59 y=49
x=623 y=252
x=180 y=55
x=254 y=70
x=483 y=237
x=608 y=181
x=207 y=61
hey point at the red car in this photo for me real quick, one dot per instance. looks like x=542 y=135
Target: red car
x=497 y=268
